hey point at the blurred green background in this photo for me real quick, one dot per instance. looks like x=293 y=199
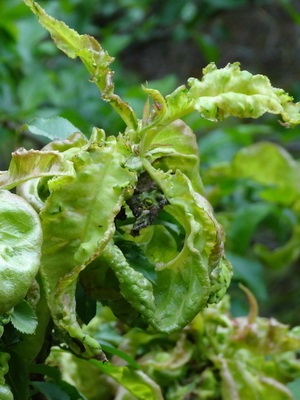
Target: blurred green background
x=164 y=43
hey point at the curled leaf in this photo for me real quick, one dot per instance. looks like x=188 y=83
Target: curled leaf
x=231 y=92
x=26 y=165
x=184 y=279
x=78 y=221
x=20 y=249
x=95 y=59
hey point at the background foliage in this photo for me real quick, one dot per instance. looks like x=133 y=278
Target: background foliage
x=165 y=43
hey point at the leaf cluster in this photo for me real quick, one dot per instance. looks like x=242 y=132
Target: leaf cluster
x=125 y=221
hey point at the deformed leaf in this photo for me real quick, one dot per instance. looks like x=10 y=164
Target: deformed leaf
x=171 y=147
x=221 y=93
x=186 y=278
x=78 y=221
x=29 y=164
x=95 y=59
x=20 y=249
x=73 y=44
x=229 y=91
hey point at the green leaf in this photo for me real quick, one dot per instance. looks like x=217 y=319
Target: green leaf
x=70 y=390
x=243 y=225
x=29 y=346
x=187 y=278
x=166 y=365
x=24 y=318
x=52 y=128
x=164 y=112
x=50 y=390
x=56 y=386
x=250 y=272
x=280 y=171
x=5 y=391
x=282 y=256
x=171 y=147
x=295 y=388
x=78 y=221
x=20 y=249
x=95 y=59
x=17 y=377
x=85 y=306
x=72 y=43
x=229 y=91
x=136 y=382
x=108 y=348
x=26 y=165
x=238 y=381
x=84 y=378
x=137 y=259
x=47 y=370
x=219 y=94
